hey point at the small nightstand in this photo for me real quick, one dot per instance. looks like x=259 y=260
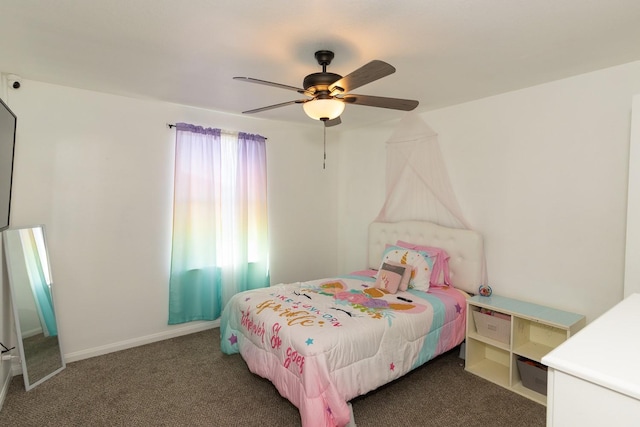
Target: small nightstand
x=532 y=331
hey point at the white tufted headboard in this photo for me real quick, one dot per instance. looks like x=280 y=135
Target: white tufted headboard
x=465 y=248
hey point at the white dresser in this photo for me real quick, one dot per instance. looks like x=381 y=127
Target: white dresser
x=594 y=377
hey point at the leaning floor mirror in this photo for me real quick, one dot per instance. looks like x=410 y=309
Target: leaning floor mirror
x=30 y=284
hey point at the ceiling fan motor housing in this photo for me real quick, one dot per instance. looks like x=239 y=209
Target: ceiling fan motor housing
x=320 y=81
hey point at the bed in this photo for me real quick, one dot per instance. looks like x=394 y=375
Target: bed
x=324 y=342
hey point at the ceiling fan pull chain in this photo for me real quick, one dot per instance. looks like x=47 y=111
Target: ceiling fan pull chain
x=324 y=161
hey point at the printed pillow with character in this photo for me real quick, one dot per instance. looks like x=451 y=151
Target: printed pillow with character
x=421 y=265
x=440 y=268
x=393 y=276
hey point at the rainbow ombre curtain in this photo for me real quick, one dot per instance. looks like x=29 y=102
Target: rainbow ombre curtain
x=220 y=242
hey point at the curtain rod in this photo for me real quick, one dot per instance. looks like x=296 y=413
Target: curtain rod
x=171 y=126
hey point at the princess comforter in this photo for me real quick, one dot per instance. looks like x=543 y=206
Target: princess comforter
x=324 y=342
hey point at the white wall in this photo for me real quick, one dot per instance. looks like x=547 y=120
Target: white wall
x=540 y=172
x=632 y=253
x=7 y=328
x=7 y=334
x=97 y=171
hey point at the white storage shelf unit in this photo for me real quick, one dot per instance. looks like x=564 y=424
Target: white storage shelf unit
x=533 y=331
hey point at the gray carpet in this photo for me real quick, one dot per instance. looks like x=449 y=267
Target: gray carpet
x=187 y=381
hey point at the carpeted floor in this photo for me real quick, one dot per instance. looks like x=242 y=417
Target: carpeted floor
x=187 y=381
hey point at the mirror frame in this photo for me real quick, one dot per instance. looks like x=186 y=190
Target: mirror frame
x=14 y=302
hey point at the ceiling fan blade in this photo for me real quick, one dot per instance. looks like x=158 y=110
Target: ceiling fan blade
x=381 y=102
x=368 y=73
x=332 y=122
x=270 y=107
x=264 y=82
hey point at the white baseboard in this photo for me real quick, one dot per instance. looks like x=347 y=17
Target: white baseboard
x=5 y=389
x=135 y=342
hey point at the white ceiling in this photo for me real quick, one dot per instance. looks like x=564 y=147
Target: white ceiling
x=187 y=51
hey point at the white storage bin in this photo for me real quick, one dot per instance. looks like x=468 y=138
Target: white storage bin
x=493 y=327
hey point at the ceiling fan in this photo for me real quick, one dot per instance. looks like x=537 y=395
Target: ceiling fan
x=328 y=92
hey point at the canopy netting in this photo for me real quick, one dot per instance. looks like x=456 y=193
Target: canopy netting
x=417 y=183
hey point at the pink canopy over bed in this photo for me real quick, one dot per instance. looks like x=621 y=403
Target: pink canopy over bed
x=418 y=187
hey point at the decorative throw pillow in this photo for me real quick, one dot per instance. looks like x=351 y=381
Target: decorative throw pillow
x=406 y=276
x=421 y=265
x=390 y=276
x=440 y=272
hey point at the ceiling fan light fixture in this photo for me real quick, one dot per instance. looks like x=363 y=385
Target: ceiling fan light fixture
x=323 y=109
x=327 y=93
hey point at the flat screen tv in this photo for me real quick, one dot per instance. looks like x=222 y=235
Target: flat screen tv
x=7 y=148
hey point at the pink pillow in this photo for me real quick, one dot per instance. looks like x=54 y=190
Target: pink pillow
x=440 y=272
x=406 y=277
x=391 y=275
